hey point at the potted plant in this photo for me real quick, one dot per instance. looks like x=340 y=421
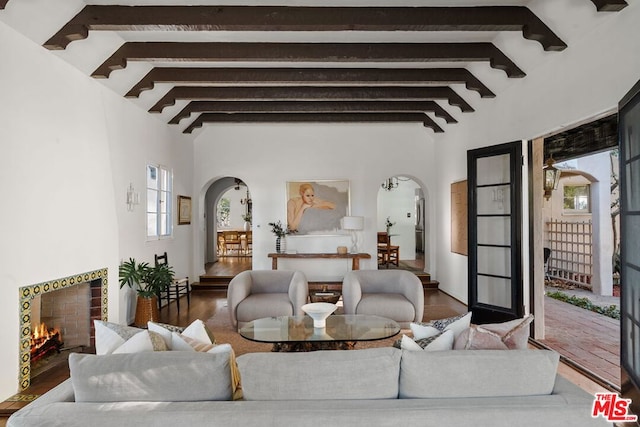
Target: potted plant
x=148 y=281
x=278 y=229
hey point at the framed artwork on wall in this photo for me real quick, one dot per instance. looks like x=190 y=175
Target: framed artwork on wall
x=184 y=210
x=316 y=207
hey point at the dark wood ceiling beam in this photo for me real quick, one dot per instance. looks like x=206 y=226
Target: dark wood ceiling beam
x=313 y=118
x=308 y=52
x=284 y=18
x=610 y=5
x=311 y=93
x=313 y=107
x=311 y=76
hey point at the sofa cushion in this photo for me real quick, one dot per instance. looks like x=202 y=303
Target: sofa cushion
x=477 y=373
x=168 y=376
x=509 y=335
x=324 y=375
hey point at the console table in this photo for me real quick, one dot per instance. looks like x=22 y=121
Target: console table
x=355 y=263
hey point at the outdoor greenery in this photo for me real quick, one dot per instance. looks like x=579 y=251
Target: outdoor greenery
x=610 y=311
x=224 y=212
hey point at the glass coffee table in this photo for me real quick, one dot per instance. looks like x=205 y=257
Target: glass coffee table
x=296 y=333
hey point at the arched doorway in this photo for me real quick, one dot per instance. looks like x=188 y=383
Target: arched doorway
x=401 y=211
x=228 y=234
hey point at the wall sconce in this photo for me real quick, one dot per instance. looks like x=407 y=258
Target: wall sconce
x=133 y=198
x=551 y=177
x=353 y=224
x=390 y=183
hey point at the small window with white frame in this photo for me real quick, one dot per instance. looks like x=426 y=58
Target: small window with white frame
x=159 y=206
x=577 y=199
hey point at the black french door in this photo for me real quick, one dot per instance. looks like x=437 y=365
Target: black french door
x=629 y=132
x=495 y=232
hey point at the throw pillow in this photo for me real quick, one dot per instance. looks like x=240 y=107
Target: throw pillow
x=182 y=342
x=110 y=336
x=441 y=342
x=199 y=331
x=511 y=335
x=457 y=324
x=196 y=330
x=165 y=331
x=141 y=342
x=115 y=338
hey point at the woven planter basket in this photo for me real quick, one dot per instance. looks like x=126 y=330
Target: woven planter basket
x=146 y=310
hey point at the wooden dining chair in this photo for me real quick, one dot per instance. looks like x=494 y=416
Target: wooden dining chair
x=231 y=240
x=387 y=253
x=175 y=290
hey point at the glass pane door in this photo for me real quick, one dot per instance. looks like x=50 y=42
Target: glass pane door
x=629 y=129
x=495 y=282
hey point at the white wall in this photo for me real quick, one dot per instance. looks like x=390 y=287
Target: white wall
x=70 y=148
x=585 y=80
x=272 y=154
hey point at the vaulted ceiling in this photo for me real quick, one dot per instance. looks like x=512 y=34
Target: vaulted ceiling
x=365 y=62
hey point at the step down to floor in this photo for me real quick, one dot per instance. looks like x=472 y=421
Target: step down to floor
x=221 y=282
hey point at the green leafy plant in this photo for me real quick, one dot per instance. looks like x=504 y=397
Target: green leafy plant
x=278 y=229
x=247 y=217
x=582 y=302
x=146 y=280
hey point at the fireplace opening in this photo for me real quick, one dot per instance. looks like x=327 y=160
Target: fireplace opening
x=60 y=324
x=67 y=307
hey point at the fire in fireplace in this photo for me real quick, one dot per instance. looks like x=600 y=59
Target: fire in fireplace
x=45 y=341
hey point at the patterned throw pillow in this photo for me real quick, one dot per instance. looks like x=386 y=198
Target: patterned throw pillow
x=440 y=342
x=511 y=335
x=457 y=324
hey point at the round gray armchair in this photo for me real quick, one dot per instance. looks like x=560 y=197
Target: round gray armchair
x=394 y=294
x=255 y=294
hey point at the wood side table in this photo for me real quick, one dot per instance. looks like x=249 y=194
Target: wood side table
x=355 y=263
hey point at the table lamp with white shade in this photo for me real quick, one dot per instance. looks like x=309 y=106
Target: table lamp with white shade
x=353 y=224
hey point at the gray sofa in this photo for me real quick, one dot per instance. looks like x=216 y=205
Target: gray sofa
x=372 y=387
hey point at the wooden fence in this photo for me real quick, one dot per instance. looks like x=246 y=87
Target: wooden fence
x=571 y=247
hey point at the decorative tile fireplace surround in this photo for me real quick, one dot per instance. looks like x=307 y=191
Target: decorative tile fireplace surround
x=98 y=284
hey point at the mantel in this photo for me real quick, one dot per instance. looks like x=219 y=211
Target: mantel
x=355 y=264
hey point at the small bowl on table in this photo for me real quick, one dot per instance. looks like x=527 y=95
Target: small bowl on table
x=319 y=311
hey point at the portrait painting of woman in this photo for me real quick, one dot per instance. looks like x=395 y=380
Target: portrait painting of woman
x=316 y=206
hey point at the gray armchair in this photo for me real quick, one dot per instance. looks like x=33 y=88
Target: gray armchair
x=255 y=294
x=394 y=294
